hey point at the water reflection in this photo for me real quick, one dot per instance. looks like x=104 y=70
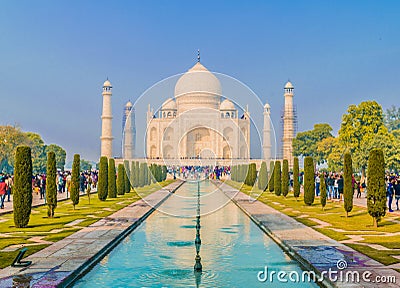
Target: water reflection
x=160 y=252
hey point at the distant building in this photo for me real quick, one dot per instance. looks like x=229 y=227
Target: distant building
x=106 y=121
x=128 y=132
x=289 y=120
x=198 y=123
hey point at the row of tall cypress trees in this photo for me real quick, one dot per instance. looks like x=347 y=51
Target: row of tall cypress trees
x=278 y=181
x=108 y=185
x=129 y=177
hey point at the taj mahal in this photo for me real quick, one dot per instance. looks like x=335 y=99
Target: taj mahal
x=198 y=125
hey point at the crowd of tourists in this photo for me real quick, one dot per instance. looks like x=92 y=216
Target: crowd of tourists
x=199 y=172
x=87 y=179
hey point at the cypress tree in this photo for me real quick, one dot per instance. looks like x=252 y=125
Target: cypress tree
x=137 y=172
x=296 y=183
x=127 y=175
x=348 y=184
x=251 y=174
x=121 y=179
x=323 y=192
x=376 y=196
x=112 y=189
x=285 y=178
x=309 y=184
x=75 y=181
x=263 y=177
x=22 y=189
x=102 y=185
x=146 y=175
x=142 y=174
x=132 y=177
x=277 y=178
x=271 y=184
x=51 y=187
x=165 y=172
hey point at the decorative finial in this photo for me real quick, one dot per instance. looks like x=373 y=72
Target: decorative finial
x=198 y=55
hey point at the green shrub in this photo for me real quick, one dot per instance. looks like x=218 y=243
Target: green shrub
x=323 y=191
x=51 y=186
x=102 y=185
x=112 y=189
x=285 y=177
x=376 y=196
x=75 y=180
x=263 y=177
x=22 y=189
x=251 y=175
x=137 y=173
x=277 y=178
x=126 y=177
x=164 y=173
x=348 y=184
x=142 y=174
x=296 y=183
x=271 y=184
x=132 y=175
x=121 y=179
x=309 y=184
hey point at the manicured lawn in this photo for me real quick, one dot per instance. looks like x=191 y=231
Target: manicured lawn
x=61 y=226
x=333 y=222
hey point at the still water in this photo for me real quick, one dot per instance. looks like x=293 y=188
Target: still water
x=161 y=252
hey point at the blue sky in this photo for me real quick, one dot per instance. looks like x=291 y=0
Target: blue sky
x=55 y=55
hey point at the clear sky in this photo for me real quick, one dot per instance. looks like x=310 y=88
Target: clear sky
x=55 y=55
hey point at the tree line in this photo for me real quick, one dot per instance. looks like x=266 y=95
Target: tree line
x=363 y=128
x=110 y=183
x=11 y=137
x=276 y=181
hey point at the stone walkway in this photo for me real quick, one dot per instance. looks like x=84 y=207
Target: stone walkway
x=315 y=251
x=36 y=201
x=63 y=262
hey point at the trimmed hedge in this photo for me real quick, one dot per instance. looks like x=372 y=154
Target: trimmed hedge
x=277 y=179
x=263 y=177
x=102 y=185
x=121 y=179
x=22 y=189
x=271 y=184
x=323 y=191
x=285 y=177
x=75 y=180
x=112 y=189
x=309 y=184
x=376 y=196
x=348 y=190
x=296 y=183
x=51 y=186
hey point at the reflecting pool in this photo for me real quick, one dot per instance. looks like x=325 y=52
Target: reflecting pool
x=161 y=252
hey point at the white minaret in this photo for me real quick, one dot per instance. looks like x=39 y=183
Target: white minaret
x=267 y=133
x=128 y=127
x=106 y=121
x=288 y=124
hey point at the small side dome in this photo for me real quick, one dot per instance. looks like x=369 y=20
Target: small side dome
x=128 y=104
x=107 y=83
x=169 y=104
x=227 y=105
x=289 y=85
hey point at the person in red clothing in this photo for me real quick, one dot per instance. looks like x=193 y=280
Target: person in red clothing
x=3 y=189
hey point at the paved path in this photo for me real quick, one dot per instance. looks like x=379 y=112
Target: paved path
x=315 y=251
x=36 y=201
x=61 y=263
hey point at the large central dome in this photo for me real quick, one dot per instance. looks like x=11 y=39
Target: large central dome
x=197 y=88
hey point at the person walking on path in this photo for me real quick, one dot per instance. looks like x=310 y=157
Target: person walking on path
x=317 y=184
x=9 y=183
x=390 y=193
x=397 y=192
x=340 y=184
x=3 y=189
